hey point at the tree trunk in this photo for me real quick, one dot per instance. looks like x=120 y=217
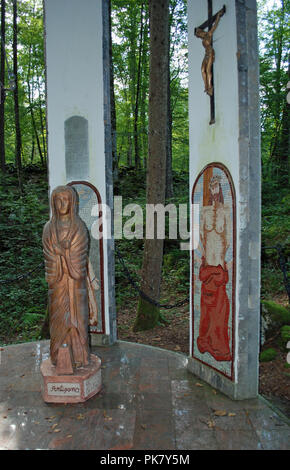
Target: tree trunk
x=169 y=176
x=132 y=78
x=113 y=104
x=278 y=85
x=32 y=150
x=42 y=121
x=143 y=94
x=16 y=101
x=2 y=83
x=136 y=111
x=31 y=105
x=283 y=146
x=147 y=313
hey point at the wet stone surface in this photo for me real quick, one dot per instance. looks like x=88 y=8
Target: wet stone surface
x=148 y=401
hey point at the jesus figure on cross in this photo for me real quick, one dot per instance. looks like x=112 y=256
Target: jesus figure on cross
x=207 y=63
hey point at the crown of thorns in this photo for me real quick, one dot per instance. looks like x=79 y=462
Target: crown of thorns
x=215 y=179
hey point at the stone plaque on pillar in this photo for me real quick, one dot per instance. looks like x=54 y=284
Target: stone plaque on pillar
x=225 y=193
x=76 y=139
x=79 y=135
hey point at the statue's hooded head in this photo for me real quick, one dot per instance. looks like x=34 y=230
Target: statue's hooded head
x=64 y=202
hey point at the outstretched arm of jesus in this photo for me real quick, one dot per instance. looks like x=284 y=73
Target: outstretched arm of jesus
x=215 y=25
x=199 y=33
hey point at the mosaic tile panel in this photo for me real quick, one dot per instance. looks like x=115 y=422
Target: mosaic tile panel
x=213 y=269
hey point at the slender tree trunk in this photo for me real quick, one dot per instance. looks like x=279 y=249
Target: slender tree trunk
x=169 y=176
x=278 y=85
x=16 y=101
x=42 y=126
x=129 y=149
x=42 y=133
x=2 y=83
x=132 y=74
x=113 y=104
x=283 y=146
x=147 y=313
x=143 y=94
x=136 y=111
x=30 y=94
x=32 y=150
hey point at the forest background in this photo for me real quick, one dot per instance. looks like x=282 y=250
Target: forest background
x=23 y=160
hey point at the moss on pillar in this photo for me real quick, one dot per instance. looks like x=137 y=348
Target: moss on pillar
x=147 y=315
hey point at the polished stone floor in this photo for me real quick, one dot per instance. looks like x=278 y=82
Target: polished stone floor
x=148 y=401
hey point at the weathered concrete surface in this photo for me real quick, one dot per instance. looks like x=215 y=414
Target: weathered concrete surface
x=149 y=401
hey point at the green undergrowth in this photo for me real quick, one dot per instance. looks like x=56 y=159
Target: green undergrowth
x=22 y=217
x=275 y=231
x=175 y=270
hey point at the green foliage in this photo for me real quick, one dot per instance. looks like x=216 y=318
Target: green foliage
x=31 y=83
x=268 y=355
x=278 y=313
x=274 y=34
x=285 y=334
x=175 y=271
x=22 y=218
x=275 y=230
x=130 y=50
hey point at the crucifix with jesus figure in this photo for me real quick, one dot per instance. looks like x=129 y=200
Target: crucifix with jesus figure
x=207 y=63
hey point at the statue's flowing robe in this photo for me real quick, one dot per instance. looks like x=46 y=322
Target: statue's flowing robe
x=67 y=296
x=215 y=309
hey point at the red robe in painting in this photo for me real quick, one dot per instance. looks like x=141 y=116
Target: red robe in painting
x=215 y=309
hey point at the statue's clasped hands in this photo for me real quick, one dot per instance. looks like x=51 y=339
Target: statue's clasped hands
x=60 y=248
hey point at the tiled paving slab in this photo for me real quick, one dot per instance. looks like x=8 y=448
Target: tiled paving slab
x=148 y=401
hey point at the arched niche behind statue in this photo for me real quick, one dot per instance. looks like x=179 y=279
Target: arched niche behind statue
x=90 y=202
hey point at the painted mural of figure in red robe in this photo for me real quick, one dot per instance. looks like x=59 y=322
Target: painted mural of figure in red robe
x=215 y=233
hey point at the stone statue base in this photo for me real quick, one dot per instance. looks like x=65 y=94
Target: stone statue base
x=78 y=387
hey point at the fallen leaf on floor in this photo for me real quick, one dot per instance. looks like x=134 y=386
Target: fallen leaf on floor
x=54 y=425
x=56 y=430
x=143 y=426
x=198 y=384
x=49 y=418
x=80 y=416
x=211 y=423
x=68 y=436
x=232 y=414
x=220 y=413
x=177 y=348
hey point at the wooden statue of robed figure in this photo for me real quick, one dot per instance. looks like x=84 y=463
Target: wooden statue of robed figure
x=65 y=247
